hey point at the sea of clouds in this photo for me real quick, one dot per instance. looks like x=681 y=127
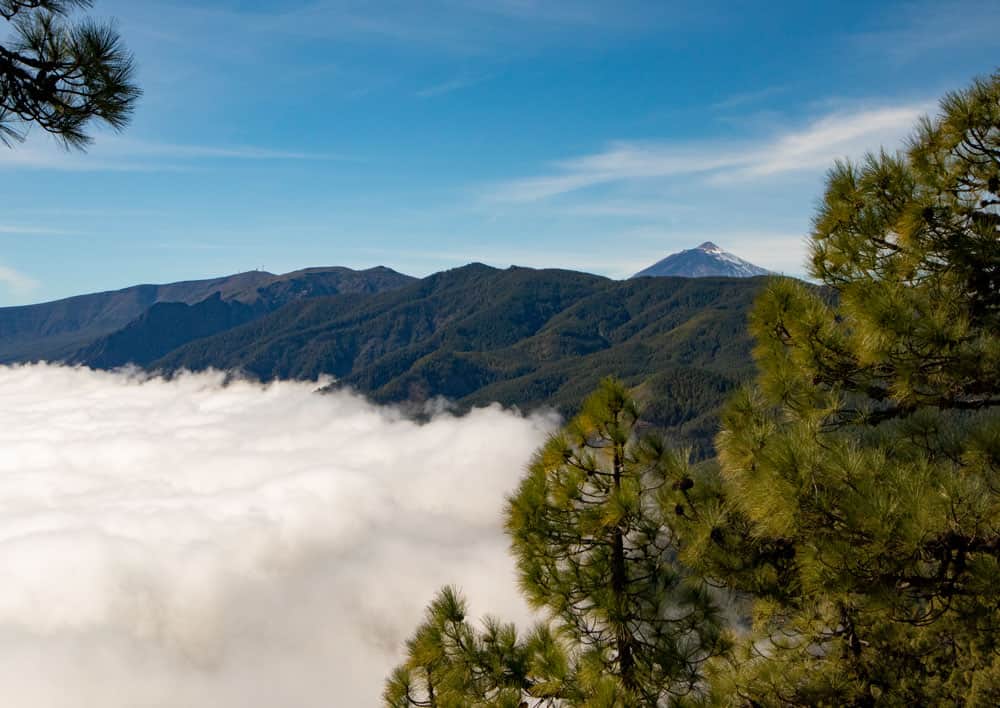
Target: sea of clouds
x=201 y=544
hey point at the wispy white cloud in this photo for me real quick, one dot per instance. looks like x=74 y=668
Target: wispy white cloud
x=16 y=282
x=452 y=85
x=33 y=230
x=84 y=212
x=621 y=161
x=924 y=28
x=571 y=12
x=740 y=100
x=816 y=146
x=436 y=20
x=112 y=153
x=237 y=152
x=239 y=32
x=830 y=138
x=616 y=208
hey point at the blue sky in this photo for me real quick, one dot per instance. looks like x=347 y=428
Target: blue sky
x=424 y=135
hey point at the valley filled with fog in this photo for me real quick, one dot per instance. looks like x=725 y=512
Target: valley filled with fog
x=192 y=542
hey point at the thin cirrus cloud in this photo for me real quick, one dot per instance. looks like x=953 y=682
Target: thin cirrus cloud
x=925 y=27
x=17 y=282
x=111 y=153
x=465 y=26
x=457 y=84
x=438 y=20
x=843 y=134
x=739 y=100
x=34 y=230
x=178 y=38
x=199 y=543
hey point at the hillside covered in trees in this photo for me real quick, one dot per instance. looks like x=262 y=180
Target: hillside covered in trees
x=143 y=322
x=472 y=335
x=522 y=337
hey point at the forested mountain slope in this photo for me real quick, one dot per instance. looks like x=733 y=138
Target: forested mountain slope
x=524 y=337
x=472 y=335
x=59 y=330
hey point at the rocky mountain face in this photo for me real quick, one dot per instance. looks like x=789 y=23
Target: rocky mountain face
x=705 y=261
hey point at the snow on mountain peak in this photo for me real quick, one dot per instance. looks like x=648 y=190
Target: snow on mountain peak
x=707 y=260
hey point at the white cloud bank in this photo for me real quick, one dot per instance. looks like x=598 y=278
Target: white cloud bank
x=191 y=544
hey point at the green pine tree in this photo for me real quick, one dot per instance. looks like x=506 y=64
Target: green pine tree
x=595 y=550
x=61 y=76
x=451 y=664
x=627 y=625
x=859 y=494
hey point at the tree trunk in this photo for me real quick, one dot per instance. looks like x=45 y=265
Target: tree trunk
x=619 y=586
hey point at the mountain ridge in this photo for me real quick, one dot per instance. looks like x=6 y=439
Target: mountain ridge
x=521 y=337
x=60 y=329
x=475 y=335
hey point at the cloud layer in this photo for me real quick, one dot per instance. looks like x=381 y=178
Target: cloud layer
x=188 y=543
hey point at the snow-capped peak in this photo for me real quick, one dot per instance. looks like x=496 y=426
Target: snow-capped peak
x=706 y=260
